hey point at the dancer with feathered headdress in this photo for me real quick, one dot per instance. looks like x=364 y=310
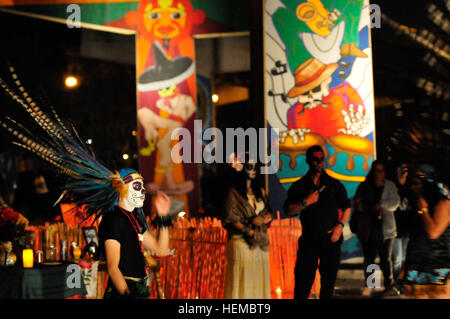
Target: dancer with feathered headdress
x=115 y=198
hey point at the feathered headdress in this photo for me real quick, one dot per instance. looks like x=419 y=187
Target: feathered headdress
x=89 y=184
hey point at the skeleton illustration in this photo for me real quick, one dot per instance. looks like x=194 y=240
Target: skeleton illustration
x=355 y=120
x=320 y=109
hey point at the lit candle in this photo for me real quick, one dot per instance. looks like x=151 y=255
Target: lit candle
x=278 y=293
x=27 y=257
x=76 y=253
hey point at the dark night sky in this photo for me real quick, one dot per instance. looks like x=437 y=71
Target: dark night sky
x=102 y=107
x=398 y=62
x=398 y=59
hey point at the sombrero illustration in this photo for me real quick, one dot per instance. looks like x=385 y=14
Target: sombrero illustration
x=310 y=74
x=165 y=72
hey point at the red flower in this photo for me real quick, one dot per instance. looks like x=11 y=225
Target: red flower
x=8 y=215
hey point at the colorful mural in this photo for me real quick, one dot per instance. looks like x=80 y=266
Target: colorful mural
x=166 y=87
x=319 y=87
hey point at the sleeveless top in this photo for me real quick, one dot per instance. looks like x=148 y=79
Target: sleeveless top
x=427 y=260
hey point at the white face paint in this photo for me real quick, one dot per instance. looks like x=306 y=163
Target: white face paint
x=136 y=193
x=314 y=97
x=250 y=170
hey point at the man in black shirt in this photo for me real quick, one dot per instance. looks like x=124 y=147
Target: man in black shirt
x=124 y=235
x=317 y=198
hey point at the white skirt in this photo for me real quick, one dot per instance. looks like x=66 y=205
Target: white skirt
x=248 y=271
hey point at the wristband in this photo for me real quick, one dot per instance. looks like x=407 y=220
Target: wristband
x=304 y=204
x=162 y=221
x=341 y=223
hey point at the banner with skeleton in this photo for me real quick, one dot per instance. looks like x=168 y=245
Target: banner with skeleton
x=319 y=88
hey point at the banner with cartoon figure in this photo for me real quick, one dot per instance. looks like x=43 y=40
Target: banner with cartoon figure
x=166 y=87
x=319 y=87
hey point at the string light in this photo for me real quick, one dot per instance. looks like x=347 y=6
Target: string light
x=438 y=89
x=431 y=60
x=425 y=38
x=125 y=156
x=437 y=16
x=431 y=42
x=215 y=98
x=398 y=109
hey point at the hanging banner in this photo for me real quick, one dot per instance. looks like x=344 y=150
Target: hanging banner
x=319 y=88
x=167 y=89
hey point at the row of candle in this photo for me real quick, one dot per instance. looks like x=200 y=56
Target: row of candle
x=200 y=261
x=50 y=243
x=204 y=241
x=29 y=260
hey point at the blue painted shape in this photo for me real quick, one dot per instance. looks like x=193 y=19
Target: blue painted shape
x=286 y=171
x=351 y=248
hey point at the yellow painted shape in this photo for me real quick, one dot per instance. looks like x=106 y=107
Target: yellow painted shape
x=310 y=140
x=338 y=176
x=351 y=143
x=315 y=15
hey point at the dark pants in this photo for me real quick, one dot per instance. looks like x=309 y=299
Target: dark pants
x=310 y=250
x=383 y=248
x=138 y=290
x=399 y=255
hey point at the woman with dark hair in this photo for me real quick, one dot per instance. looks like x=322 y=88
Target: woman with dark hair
x=248 y=215
x=401 y=220
x=427 y=265
x=376 y=199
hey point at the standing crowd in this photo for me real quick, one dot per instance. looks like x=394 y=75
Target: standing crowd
x=406 y=222
x=402 y=217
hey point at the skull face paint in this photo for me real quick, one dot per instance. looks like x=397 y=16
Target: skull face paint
x=250 y=170
x=136 y=193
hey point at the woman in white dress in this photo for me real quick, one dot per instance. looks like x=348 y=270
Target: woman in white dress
x=248 y=215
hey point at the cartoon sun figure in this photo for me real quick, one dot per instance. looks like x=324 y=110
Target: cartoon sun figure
x=169 y=21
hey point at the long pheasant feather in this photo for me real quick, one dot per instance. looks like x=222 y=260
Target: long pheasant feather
x=88 y=182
